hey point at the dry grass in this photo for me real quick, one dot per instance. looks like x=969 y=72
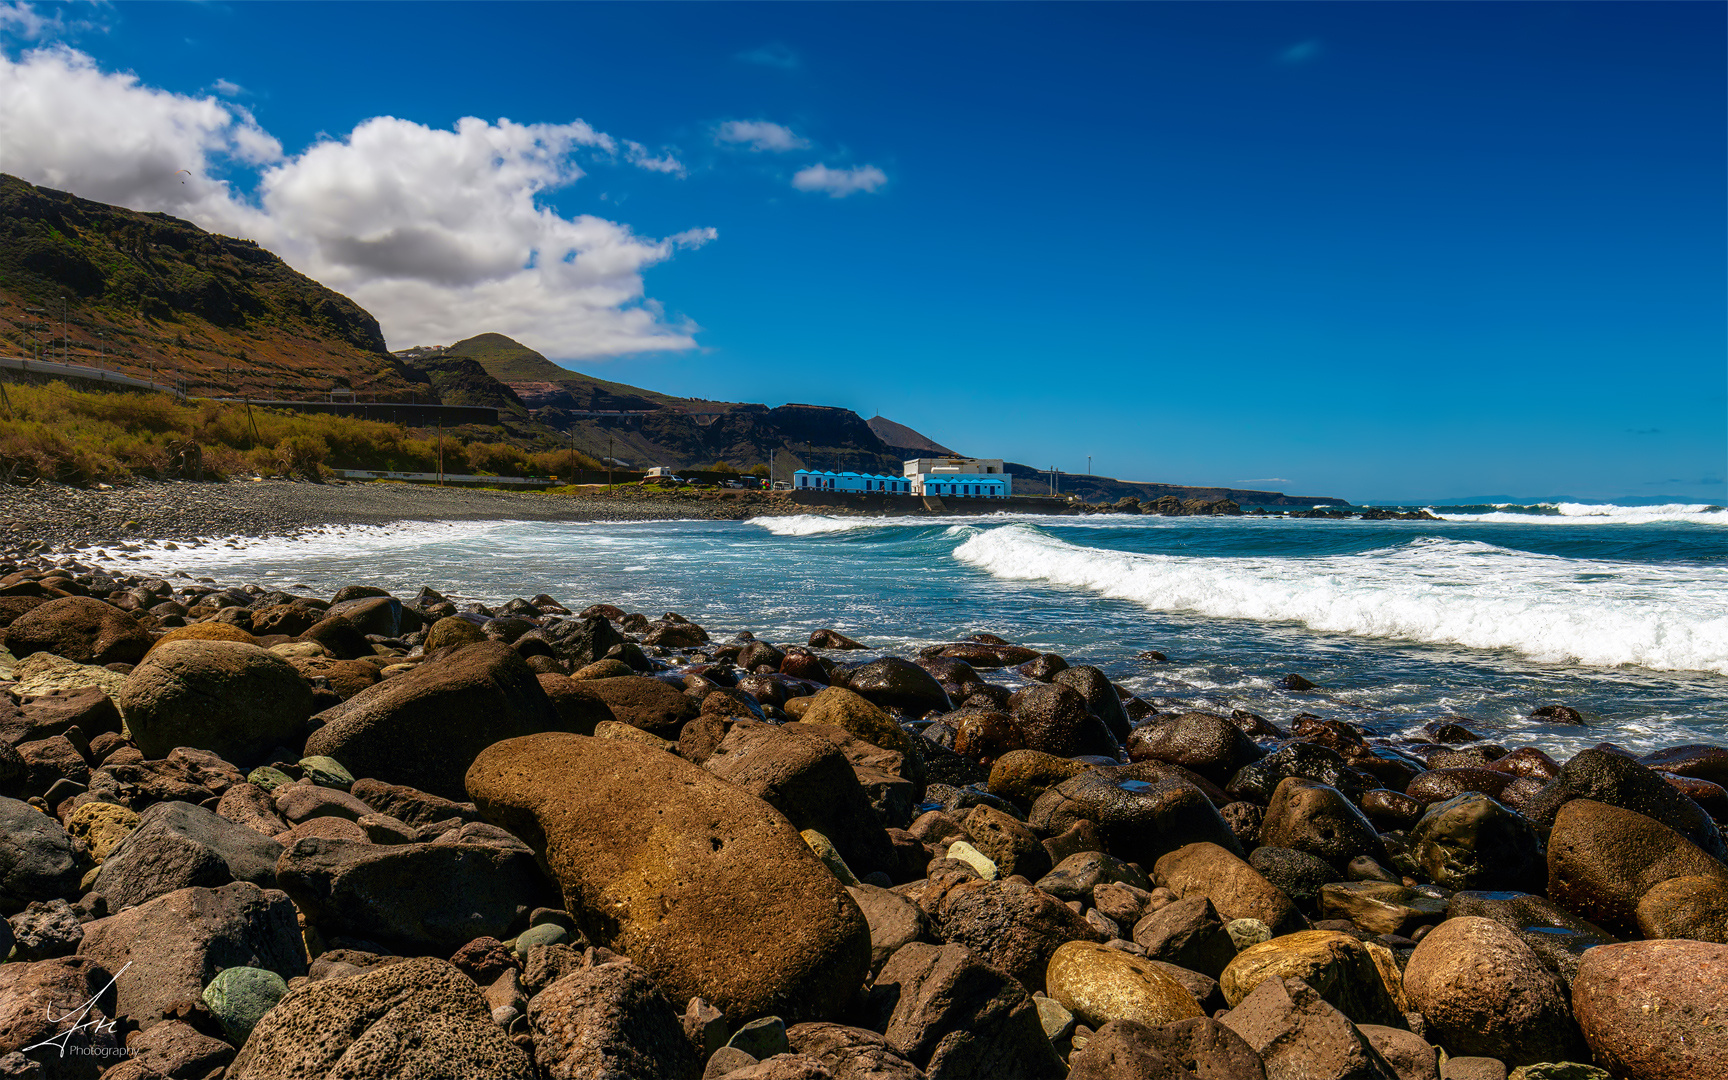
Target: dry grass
x=80 y=437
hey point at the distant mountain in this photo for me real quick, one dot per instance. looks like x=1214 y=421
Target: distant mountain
x=902 y=437
x=541 y=383
x=457 y=380
x=154 y=296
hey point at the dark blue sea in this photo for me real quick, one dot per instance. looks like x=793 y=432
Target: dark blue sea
x=1619 y=612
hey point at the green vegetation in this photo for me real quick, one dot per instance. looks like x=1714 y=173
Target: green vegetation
x=76 y=437
x=510 y=361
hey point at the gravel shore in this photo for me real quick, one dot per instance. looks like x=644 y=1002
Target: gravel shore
x=43 y=517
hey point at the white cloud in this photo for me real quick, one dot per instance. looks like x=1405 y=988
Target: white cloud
x=437 y=232
x=760 y=135
x=227 y=88
x=21 y=20
x=839 y=183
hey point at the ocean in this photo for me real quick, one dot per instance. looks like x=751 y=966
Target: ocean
x=1618 y=612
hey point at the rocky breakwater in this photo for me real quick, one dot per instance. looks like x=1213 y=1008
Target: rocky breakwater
x=251 y=834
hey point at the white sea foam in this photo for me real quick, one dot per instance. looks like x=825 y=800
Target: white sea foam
x=1432 y=590
x=1594 y=514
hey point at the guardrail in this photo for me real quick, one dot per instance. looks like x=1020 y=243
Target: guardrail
x=449 y=478
x=81 y=371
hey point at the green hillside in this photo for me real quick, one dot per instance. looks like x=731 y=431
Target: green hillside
x=541 y=382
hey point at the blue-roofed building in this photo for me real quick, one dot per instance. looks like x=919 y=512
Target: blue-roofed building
x=861 y=483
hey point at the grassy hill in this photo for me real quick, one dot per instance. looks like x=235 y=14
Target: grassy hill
x=157 y=297
x=543 y=383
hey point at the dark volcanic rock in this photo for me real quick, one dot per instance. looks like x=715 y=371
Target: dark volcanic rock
x=609 y=1020
x=1655 y=1010
x=1210 y=745
x=81 y=629
x=37 y=859
x=1603 y=859
x=236 y=700
x=1472 y=842
x=900 y=685
x=177 y=845
x=1610 y=778
x=1011 y=926
x=1142 y=811
x=1308 y=816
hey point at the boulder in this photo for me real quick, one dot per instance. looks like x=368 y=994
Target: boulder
x=176 y=846
x=578 y=710
x=899 y=685
x=1127 y=1050
x=1655 y=1010
x=609 y=1020
x=1212 y=746
x=954 y=1015
x=1100 y=696
x=1099 y=984
x=1010 y=925
x=232 y=698
x=646 y=704
x=803 y=775
x=1686 y=907
x=377 y=615
x=1306 y=815
x=1236 y=889
x=1472 y=842
x=238 y=997
x=1381 y=907
x=1410 y=1055
x=1299 y=1035
x=38 y=860
x=45 y=1001
x=178 y=942
x=1606 y=777
x=1485 y=993
x=851 y=1053
x=1080 y=874
x=831 y=639
x=81 y=629
x=431 y=897
x=1556 y=935
x=339 y=638
x=417 y=1018
x=1054 y=719
x=1337 y=966
x=1003 y=840
x=859 y=716
x=101 y=826
x=894 y=921
x=175 y=1049
x=1602 y=860
x=1142 y=811
x=708 y=887
x=89 y=710
x=1189 y=934
x=423 y=728
x=1020 y=776
x=411 y=805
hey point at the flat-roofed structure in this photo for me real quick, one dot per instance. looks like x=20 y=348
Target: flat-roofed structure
x=959 y=477
x=817 y=480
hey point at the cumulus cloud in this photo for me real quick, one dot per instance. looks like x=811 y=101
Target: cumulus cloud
x=437 y=232
x=839 y=183
x=759 y=135
x=23 y=21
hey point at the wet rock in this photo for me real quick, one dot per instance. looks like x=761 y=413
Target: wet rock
x=419 y=1017
x=1380 y=907
x=1484 y=992
x=431 y=897
x=1257 y=781
x=1653 y=1010
x=1390 y=809
x=953 y=1015
x=1603 y=859
x=1298 y=874
x=899 y=684
x=452 y=630
x=1100 y=697
x=178 y=942
x=1210 y=745
x=1020 y=776
x=1012 y=926
x=1605 y=777
x=424 y=727
x=608 y=1020
x=1337 y=966
x=1316 y=818
x=687 y=900
x=1556 y=935
x=81 y=629
x=1079 y=875
x=985 y=735
x=831 y=639
x=340 y=639
x=1055 y=720
x=1013 y=847
x=1189 y=934
x=1300 y=1036
x=1142 y=811
x=1686 y=907
x=177 y=845
x=1472 y=842
x=1696 y=760
x=1235 y=888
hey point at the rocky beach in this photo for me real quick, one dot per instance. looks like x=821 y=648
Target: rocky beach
x=258 y=832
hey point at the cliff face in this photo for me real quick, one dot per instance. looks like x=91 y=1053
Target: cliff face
x=157 y=297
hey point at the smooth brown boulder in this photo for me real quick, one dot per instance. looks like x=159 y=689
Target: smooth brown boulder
x=1337 y=966
x=1306 y=815
x=644 y=703
x=81 y=629
x=1236 y=889
x=1602 y=860
x=1656 y=1010
x=1485 y=993
x=1300 y=1036
x=858 y=715
x=1473 y=842
x=419 y=1018
x=1212 y=746
x=424 y=727
x=706 y=886
x=579 y=710
x=1099 y=984
x=1686 y=907
x=236 y=700
x=1007 y=842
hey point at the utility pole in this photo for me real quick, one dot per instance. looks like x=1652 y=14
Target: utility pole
x=64 y=358
x=608 y=459
x=440 y=452
x=1088 y=464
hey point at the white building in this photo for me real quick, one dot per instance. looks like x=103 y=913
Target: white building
x=959 y=477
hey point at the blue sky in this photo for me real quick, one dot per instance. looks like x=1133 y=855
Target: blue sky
x=1380 y=251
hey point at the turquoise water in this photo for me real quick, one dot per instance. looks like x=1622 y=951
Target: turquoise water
x=1621 y=613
